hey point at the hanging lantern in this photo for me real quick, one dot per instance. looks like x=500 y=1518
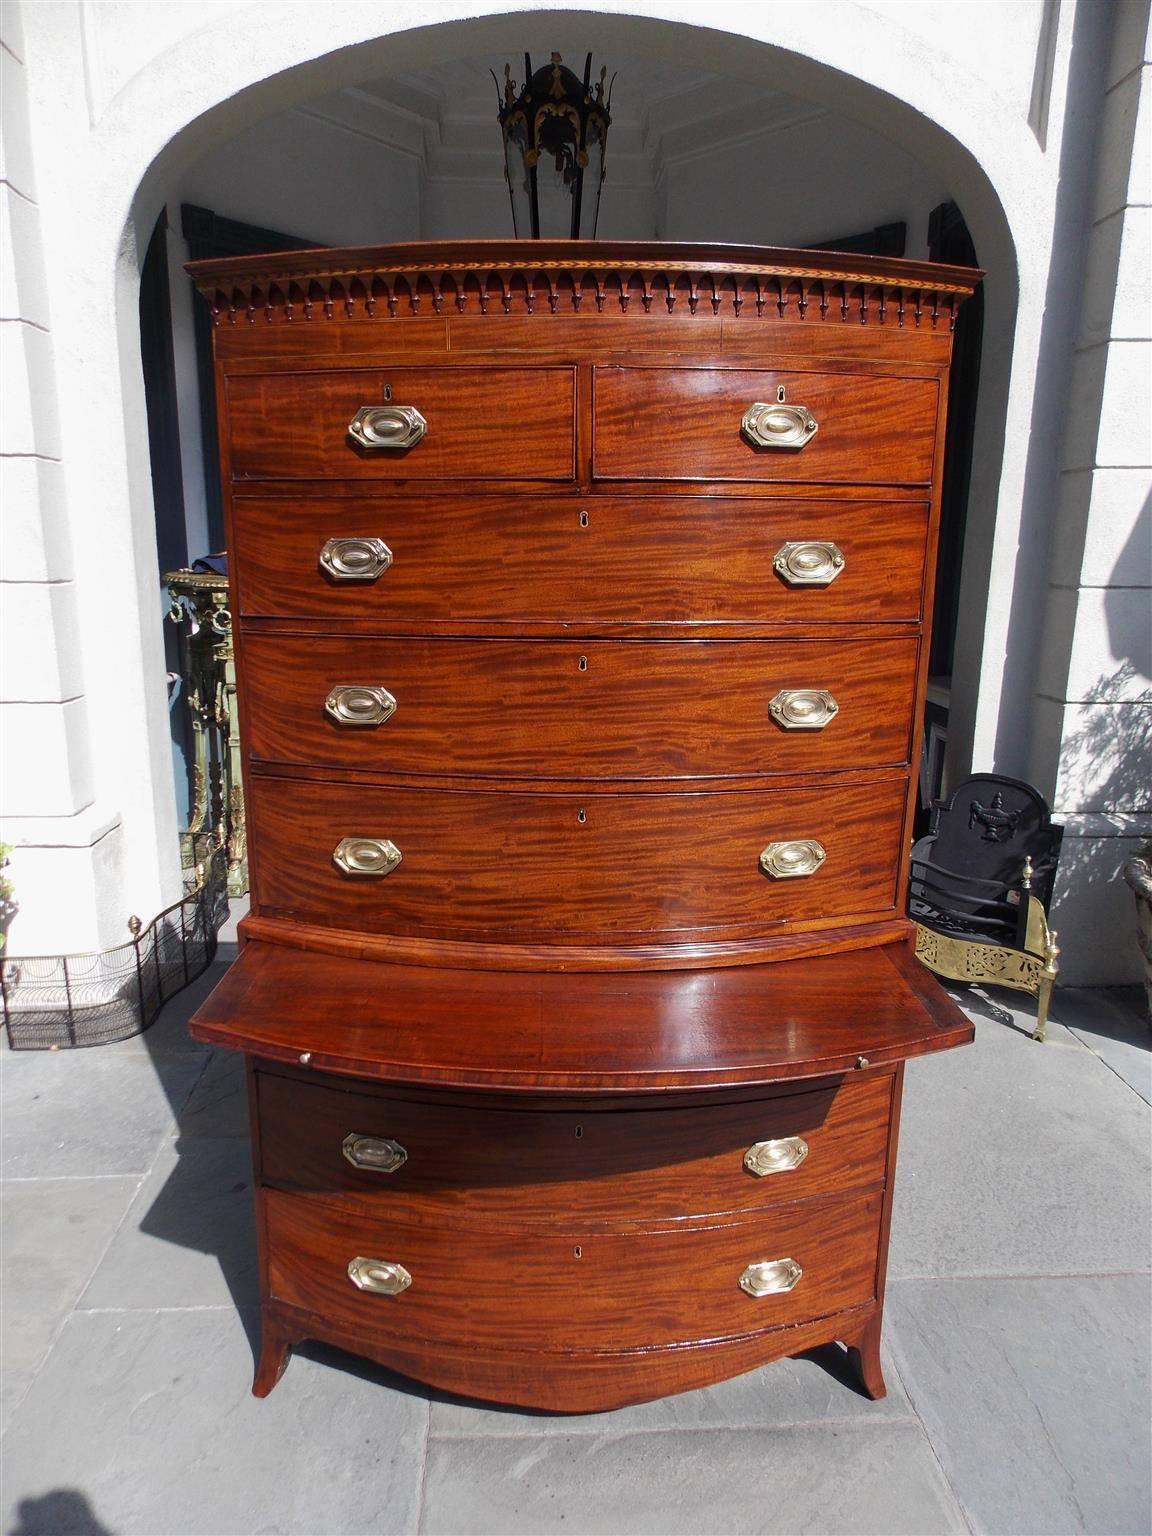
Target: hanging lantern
x=555 y=131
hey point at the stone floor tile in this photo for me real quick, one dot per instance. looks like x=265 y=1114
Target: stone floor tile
x=189 y=1237
x=218 y=1105
x=817 y=1387
x=76 y=1113
x=143 y=1424
x=55 y=1231
x=878 y=1478
x=1035 y=1393
x=1106 y=1022
x=1019 y=1158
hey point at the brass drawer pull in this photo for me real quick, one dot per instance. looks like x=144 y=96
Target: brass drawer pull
x=808 y=562
x=780 y=1156
x=776 y=425
x=359 y=704
x=803 y=709
x=771 y=1277
x=369 y=856
x=378 y=1154
x=355 y=559
x=387 y=426
x=791 y=861
x=380 y=1276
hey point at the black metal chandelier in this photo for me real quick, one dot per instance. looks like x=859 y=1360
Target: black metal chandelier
x=554 y=117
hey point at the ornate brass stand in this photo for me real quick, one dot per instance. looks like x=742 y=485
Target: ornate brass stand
x=200 y=606
x=1031 y=967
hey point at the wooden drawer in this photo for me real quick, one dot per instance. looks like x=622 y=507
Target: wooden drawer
x=490 y=865
x=570 y=1287
x=638 y=560
x=482 y=423
x=685 y=424
x=593 y=709
x=526 y=1165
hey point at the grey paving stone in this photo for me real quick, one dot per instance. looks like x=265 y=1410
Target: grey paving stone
x=218 y=1105
x=1107 y=1023
x=54 y=1233
x=188 y=1239
x=819 y=1387
x=1036 y=1396
x=1019 y=1158
x=77 y=1113
x=148 y=1418
x=849 y=1478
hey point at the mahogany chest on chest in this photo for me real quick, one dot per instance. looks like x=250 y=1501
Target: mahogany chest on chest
x=580 y=596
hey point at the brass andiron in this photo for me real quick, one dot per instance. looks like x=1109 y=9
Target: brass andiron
x=979 y=889
x=1028 y=967
x=200 y=606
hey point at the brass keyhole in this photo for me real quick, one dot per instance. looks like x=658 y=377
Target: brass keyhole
x=581 y=817
x=577 y=1252
x=387 y=393
x=579 y=1132
x=583 y=664
x=780 y=395
x=583 y=519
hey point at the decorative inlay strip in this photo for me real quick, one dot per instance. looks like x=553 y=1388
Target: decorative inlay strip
x=368 y=285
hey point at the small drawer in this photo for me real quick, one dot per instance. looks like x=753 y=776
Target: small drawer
x=526 y=1165
x=491 y=865
x=594 y=709
x=403 y=424
x=701 y=424
x=498 y=559
x=568 y=1287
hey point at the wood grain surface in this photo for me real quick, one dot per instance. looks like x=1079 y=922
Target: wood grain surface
x=571 y=1287
x=506 y=863
x=473 y=1164
x=498 y=423
x=532 y=1032
x=684 y=423
x=468 y=560
x=581 y=709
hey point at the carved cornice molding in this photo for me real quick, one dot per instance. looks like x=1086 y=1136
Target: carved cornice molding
x=505 y=277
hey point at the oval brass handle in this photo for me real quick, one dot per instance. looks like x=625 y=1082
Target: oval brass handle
x=808 y=562
x=803 y=709
x=791 y=861
x=776 y=425
x=780 y=1156
x=355 y=559
x=380 y=1276
x=359 y=704
x=387 y=426
x=369 y=856
x=378 y=1154
x=771 y=1277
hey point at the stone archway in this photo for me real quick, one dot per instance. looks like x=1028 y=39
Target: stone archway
x=206 y=85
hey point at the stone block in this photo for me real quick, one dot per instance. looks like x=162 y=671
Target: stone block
x=40 y=643
x=49 y=772
x=34 y=540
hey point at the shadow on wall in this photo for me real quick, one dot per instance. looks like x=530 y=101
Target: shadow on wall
x=1106 y=767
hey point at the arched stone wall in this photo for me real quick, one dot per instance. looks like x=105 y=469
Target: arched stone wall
x=138 y=124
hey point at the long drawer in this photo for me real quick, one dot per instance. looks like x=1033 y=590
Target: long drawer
x=598 y=709
x=518 y=558
x=488 y=423
x=491 y=865
x=405 y=1156
x=693 y=424
x=570 y=1288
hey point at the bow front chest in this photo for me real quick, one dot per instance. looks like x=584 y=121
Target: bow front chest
x=580 y=596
